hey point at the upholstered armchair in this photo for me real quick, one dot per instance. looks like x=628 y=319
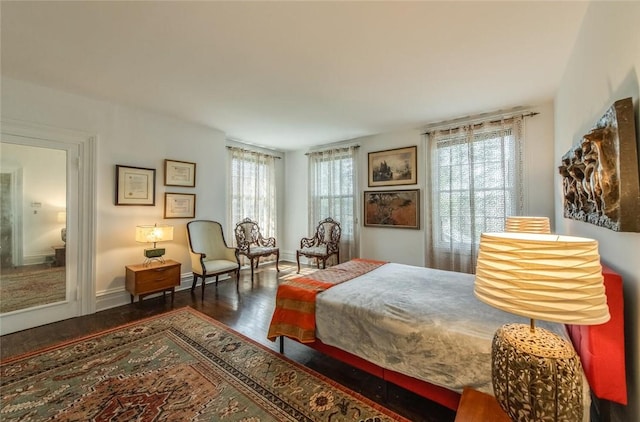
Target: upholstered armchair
x=324 y=243
x=251 y=244
x=210 y=255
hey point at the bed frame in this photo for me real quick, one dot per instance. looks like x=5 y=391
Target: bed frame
x=601 y=350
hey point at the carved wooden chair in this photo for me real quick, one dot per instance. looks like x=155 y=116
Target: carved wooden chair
x=324 y=243
x=252 y=245
x=210 y=255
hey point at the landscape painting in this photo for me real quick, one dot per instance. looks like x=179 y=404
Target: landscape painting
x=393 y=167
x=394 y=208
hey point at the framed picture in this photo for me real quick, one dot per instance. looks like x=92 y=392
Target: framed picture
x=135 y=186
x=179 y=173
x=392 y=208
x=179 y=205
x=393 y=167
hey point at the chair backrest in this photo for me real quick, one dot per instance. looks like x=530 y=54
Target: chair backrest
x=328 y=232
x=206 y=237
x=247 y=233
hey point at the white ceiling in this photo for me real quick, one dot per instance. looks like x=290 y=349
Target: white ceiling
x=293 y=74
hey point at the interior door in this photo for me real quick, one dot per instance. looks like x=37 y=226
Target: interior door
x=41 y=196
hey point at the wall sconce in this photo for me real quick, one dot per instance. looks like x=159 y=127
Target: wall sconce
x=154 y=234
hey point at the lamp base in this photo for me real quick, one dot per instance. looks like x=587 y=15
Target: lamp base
x=153 y=254
x=536 y=375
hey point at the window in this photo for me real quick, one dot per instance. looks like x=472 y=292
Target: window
x=476 y=183
x=333 y=192
x=252 y=190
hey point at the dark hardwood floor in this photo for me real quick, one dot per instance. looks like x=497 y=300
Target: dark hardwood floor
x=247 y=311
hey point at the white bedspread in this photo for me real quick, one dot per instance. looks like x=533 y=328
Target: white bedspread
x=420 y=322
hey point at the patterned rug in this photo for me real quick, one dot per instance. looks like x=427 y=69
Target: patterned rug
x=179 y=366
x=18 y=291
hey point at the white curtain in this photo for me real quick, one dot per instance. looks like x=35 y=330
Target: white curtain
x=252 y=191
x=475 y=183
x=333 y=192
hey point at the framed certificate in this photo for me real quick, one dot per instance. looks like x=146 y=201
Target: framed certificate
x=179 y=173
x=179 y=205
x=135 y=186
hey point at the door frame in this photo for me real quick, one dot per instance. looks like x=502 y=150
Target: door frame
x=81 y=209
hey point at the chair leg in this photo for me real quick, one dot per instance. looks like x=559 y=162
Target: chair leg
x=195 y=280
x=257 y=261
x=298 y=260
x=277 y=259
x=203 y=284
x=252 y=269
x=318 y=263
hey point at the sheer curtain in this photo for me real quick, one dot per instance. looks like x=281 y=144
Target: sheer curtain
x=332 y=193
x=252 y=191
x=475 y=183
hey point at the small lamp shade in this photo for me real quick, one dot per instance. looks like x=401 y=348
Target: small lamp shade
x=62 y=218
x=542 y=276
x=153 y=234
x=525 y=224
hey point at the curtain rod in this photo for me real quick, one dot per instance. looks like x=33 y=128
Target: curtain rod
x=253 y=152
x=332 y=149
x=443 y=126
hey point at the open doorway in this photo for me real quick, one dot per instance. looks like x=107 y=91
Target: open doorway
x=46 y=226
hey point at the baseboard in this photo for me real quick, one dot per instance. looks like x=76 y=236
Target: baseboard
x=113 y=298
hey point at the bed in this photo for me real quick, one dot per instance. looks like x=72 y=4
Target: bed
x=424 y=330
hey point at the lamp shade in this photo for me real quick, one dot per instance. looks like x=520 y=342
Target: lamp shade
x=542 y=276
x=153 y=234
x=525 y=224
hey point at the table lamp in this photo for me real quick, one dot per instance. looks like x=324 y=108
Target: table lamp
x=537 y=374
x=526 y=224
x=62 y=218
x=154 y=234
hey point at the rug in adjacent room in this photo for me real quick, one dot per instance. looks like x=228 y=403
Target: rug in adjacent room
x=25 y=289
x=178 y=366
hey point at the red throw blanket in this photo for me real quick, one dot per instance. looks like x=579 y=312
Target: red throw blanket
x=295 y=313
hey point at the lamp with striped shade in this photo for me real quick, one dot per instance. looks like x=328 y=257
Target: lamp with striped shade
x=547 y=277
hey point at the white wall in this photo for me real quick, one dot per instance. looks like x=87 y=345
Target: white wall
x=132 y=137
x=404 y=245
x=604 y=67
x=296 y=200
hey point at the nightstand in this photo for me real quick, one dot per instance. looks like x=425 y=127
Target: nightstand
x=145 y=279
x=476 y=406
x=61 y=256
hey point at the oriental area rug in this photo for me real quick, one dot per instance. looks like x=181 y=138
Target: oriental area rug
x=178 y=366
